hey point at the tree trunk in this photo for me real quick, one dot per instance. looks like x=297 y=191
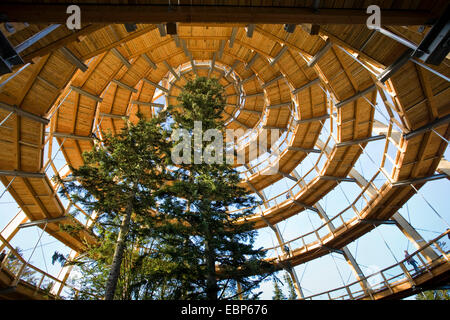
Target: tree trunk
x=211 y=280
x=118 y=253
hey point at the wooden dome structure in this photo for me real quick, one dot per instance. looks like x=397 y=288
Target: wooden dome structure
x=311 y=69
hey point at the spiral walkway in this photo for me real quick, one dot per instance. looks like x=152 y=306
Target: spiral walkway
x=322 y=92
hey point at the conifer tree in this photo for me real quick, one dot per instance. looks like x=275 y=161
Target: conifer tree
x=206 y=241
x=277 y=292
x=118 y=181
x=291 y=287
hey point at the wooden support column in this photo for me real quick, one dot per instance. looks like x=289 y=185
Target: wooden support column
x=355 y=268
x=414 y=237
x=239 y=291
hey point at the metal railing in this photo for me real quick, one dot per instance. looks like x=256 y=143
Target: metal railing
x=381 y=281
x=21 y=270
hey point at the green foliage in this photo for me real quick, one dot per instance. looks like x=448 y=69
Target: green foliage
x=291 y=287
x=434 y=295
x=129 y=166
x=201 y=100
x=206 y=235
x=139 y=278
x=120 y=177
x=277 y=291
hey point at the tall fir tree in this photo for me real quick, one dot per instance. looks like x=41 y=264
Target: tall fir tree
x=210 y=244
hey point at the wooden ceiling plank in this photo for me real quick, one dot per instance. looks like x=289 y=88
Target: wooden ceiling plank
x=428 y=91
x=114 y=44
x=55 y=45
